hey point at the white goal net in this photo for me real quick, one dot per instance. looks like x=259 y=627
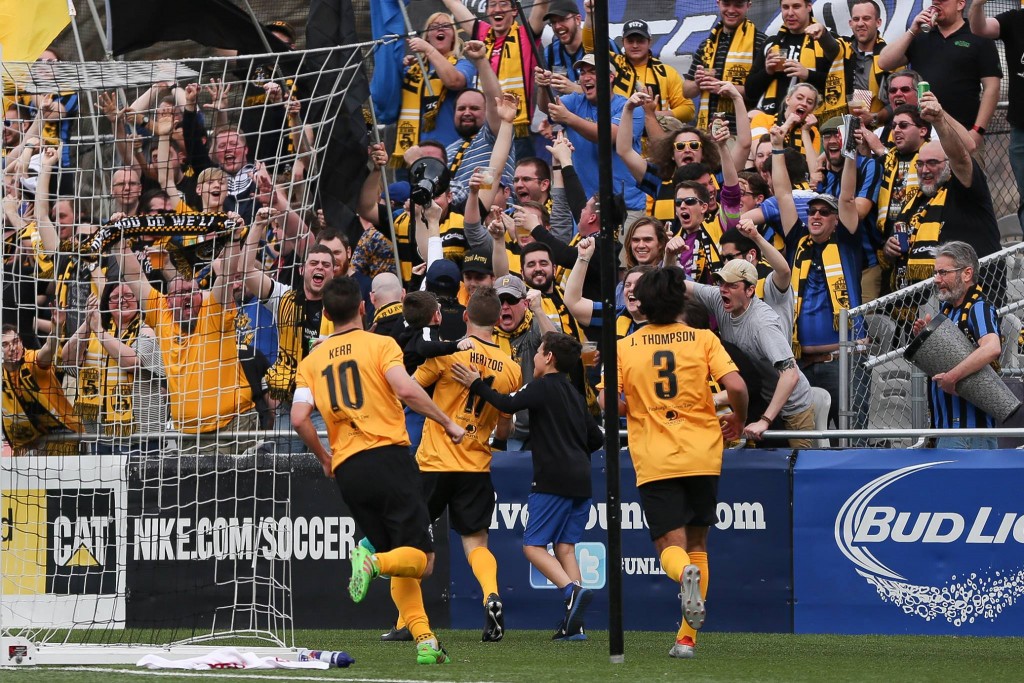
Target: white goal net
x=144 y=487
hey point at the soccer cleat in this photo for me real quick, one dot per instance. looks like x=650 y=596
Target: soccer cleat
x=494 y=619
x=396 y=634
x=561 y=635
x=574 y=608
x=428 y=654
x=683 y=649
x=364 y=570
x=693 y=603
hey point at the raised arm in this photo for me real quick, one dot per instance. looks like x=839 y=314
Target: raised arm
x=49 y=159
x=848 y=214
x=476 y=52
x=986 y=27
x=952 y=137
x=782 y=274
x=162 y=128
x=464 y=17
x=780 y=179
x=131 y=273
x=506 y=107
x=624 y=137
x=255 y=280
x=894 y=54
x=579 y=306
x=451 y=78
x=369 y=194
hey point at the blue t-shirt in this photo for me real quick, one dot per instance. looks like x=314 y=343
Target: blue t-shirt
x=585 y=159
x=444 y=128
x=869 y=178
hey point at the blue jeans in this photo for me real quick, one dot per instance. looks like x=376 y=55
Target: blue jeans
x=1016 y=153
x=287 y=440
x=967 y=442
x=826 y=376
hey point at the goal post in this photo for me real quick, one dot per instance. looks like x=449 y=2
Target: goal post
x=144 y=489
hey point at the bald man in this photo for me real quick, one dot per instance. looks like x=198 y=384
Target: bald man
x=386 y=294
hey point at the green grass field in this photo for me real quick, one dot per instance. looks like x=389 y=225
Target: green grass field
x=531 y=656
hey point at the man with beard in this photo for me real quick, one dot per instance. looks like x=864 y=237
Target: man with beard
x=865 y=199
x=961 y=300
x=521 y=326
x=802 y=51
x=758 y=331
x=298 y=314
x=539 y=274
x=561 y=55
x=954 y=202
x=725 y=55
x=209 y=393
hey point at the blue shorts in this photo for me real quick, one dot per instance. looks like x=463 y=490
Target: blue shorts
x=555 y=519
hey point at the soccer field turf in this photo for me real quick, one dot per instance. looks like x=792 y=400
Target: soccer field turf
x=531 y=656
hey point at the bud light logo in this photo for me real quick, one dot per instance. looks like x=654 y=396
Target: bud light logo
x=938 y=544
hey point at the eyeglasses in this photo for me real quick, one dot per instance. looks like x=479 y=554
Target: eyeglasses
x=524 y=179
x=903 y=89
x=943 y=272
x=689 y=201
x=687 y=144
x=930 y=163
x=748 y=193
x=129 y=296
x=903 y=125
x=820 y=211
x=438 y=27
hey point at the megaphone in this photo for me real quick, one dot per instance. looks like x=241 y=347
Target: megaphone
x=428 y=178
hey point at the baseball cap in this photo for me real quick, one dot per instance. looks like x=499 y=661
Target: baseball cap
x=738 y=270
x=477 y=262
x=834 y=123
x=281 y=27
x=636 y=27
x=512 y=286
x=443 y=276
x=561 y=8
x=824 y=199
x=589 y=59
x=399 y=191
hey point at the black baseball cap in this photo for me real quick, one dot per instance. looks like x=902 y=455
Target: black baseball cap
x=636 y=27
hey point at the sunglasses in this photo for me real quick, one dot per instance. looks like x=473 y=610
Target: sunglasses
x=820 y=210
x=508 y=300
x=687 y=144
x=689 y=201
x=903 y=89
x=903 y=125
x=729 y=257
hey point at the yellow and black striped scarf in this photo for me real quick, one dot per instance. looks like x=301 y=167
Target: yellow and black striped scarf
x=738 y=62
x=628 y=80
x=30 y=412
x=834 y=99
x=418 y=111
x=835 y=278
x=972 y=297
x=105 y=389
x=511 y=74
x=810 y=52
x=925 y=222
x=890 y=174
x=504 y=339
x=290 y=325
x=386 y=312
x=553 y=304
x=453 y=240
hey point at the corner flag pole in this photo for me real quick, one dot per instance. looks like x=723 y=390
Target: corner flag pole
x=610 y=223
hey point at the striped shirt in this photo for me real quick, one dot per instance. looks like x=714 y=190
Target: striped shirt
x=949 y=411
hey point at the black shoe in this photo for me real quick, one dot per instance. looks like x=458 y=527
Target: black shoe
x=494 y=619
x=562 y=635
x=396 y=635
x=574 y=608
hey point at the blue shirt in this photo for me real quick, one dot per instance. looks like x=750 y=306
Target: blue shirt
x=559 y=58
x=585 y=159
x=444 y=127
x=869 y=178
x=477 y=154
x=949 y=411
x=255 y=326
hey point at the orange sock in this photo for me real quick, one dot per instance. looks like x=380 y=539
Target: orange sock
x=408 y=599
x=701 y=560
x=485 y=569
x=673 y=560
x=403 y=562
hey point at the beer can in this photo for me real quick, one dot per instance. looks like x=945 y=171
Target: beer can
x=922 y=88
x=902 y=232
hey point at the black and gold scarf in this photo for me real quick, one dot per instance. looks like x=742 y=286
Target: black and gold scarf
x=105 y=390
x=831 y=262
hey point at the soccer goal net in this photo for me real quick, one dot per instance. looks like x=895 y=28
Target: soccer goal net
x=145 y=489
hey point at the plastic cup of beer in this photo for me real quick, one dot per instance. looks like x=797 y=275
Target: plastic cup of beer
x=486 y=177
x=589 y=354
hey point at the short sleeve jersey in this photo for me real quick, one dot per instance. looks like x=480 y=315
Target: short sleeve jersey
x=346 y=377
x=671 y=420
x=437 y=453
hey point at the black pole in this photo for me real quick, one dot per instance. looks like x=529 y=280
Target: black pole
x=537 y=54
x=610 y=223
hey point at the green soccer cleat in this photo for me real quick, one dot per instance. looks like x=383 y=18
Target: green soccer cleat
x=364 y=570
x=428 y=654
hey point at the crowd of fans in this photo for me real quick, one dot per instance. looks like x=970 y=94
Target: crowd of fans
x=734 y=171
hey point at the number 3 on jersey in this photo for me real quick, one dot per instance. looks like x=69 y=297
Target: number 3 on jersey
x=343 y=382
x=666 y=386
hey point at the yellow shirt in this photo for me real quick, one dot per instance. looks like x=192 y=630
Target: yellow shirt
x=345 y=374
x=34 y=402
x=670 y=413
x=205 y=382
x=437 y=453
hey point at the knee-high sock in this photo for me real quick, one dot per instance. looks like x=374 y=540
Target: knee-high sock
x=701 y=560
x=485 y=569
x=673 y=560
x=403 y=562
x=408 y=599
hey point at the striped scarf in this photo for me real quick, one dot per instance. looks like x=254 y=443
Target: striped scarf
x=773 y=100
x=832 y=262
x=904 y=193
x=511 y=72
x=505 y=339
x=738 y=62
x=972 y=297
x=418 y=105
x=925 y=223
x=453 y=244
x=30 y=410
x=628 y=79
x=104 y=387
x=290 y=326
x=553 y=304
x=834 y=99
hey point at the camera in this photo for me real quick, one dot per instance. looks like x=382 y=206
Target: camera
x=428 y=178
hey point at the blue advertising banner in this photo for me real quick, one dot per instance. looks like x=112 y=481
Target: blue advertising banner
x=909 y=541
x=749 y=552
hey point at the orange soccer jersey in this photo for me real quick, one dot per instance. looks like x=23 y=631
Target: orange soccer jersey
x=437 y=453
x=670 y=413
x=346 y=375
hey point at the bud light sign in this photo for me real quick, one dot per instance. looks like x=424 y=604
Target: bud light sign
x=923 y=541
